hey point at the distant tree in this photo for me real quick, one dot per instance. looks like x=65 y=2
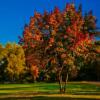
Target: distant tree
x=90 y=65
x=3 y=63
x=53 y=41
x=1 y=49
x=15 y=61
x=12 y=61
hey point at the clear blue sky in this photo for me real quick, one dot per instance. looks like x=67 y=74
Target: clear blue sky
x=15 y=13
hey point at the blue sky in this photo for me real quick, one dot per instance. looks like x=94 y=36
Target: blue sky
x=15 y=13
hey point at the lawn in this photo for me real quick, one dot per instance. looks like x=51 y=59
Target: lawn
x=48 y=91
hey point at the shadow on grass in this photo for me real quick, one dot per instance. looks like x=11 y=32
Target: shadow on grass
x=85 y=93
x=44 y=98
x=57 y=98
x=15 y=88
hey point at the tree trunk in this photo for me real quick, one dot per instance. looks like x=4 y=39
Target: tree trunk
x=65 y=83
x=60 y=82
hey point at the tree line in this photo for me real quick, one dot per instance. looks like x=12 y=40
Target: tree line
x=13 y=66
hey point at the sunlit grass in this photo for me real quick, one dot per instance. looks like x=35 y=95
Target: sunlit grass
x=51 y=88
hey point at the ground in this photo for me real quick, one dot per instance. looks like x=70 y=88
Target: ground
x=50 y=91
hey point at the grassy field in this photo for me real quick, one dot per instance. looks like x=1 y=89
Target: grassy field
x=50 y=91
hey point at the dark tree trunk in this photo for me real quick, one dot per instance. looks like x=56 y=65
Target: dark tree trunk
x=60 y=82
x=65 y=83
x=63 y=78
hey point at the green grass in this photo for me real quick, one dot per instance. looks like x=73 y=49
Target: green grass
x=73 y=88
x=33 y=88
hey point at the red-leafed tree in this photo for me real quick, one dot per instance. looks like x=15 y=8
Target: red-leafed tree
x=53 y=40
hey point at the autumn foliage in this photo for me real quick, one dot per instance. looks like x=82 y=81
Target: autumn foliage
x=53 y=40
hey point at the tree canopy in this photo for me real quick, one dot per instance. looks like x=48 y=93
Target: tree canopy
x=54 y=41
x=12 y=61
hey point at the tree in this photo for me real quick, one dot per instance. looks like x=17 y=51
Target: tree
x=15 y=61
x=3 y=63
x=90 y=67
x=12 y=61
x=53 y=41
